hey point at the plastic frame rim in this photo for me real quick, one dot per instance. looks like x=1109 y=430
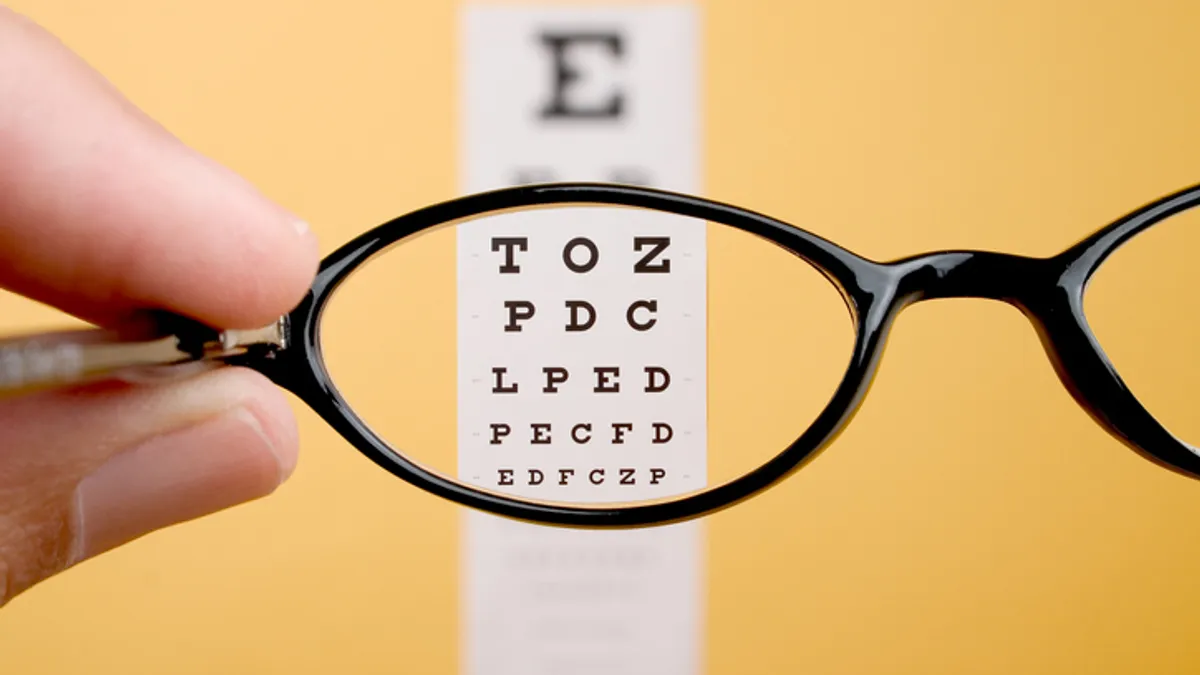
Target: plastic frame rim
x=1049 y=291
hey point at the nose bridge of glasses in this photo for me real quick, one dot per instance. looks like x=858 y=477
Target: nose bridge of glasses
x=969 y=274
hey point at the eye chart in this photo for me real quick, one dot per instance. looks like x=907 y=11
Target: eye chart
x=582 y=339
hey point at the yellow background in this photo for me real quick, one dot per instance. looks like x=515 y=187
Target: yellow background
x=972 y=519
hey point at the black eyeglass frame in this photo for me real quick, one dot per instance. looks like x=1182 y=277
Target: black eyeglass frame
x=1048 y=291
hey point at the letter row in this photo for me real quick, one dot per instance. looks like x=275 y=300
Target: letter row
x=524 y=310
x=624 y=476
x=581 y=434
x=580 y=255
x=607 y=382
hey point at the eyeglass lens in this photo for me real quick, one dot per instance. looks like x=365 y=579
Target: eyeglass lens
x=586 y=354
x=1141 y=305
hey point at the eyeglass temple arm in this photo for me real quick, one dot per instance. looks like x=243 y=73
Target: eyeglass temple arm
x=175 y=347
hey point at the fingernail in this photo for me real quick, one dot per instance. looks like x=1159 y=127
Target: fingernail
x=305 y=232
x=215 y=464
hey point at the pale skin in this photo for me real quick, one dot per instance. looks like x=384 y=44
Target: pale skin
x=104 y=213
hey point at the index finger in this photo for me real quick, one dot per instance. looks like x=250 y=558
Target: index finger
x=103 y=213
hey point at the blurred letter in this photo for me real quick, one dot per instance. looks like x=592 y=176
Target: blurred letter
x=565 y=75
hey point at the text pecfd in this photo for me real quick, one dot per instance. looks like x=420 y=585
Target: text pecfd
x=541 y=433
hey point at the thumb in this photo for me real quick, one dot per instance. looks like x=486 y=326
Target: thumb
x=85 y=471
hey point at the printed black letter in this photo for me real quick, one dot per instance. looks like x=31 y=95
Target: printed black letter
x=509 y=243
x=651 y=387
x=643 y=266
x=554 y=377
x=569 y=257
x=575 y=306
x=651 y=305
x=575 y=435
x=518 y=310
x=619 y=429
x=500 y=387
x=499 y=431
x=602 y=377
x=658 y=432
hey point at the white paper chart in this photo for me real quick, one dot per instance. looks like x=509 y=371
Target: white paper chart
x=581 y=338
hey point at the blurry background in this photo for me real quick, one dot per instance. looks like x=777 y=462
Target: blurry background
x=972 y=519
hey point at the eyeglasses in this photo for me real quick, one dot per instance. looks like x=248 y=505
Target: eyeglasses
x=597 y=355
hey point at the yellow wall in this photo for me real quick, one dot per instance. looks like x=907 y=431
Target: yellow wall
x=971 y=520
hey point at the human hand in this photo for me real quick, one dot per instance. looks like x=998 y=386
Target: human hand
x=103 y=213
